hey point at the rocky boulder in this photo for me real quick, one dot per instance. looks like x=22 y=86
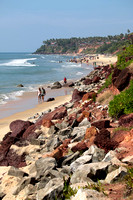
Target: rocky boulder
x=56 y=85
x=123 y=79
x=77 y=95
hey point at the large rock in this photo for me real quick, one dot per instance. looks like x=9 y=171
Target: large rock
x=100 y=124
x=90 y=172
x=77 y=95
x=56 y=85
x=53 y=188
x=90 y=132
x=18 y=127
x=123 y=79
x=80 y=161
x=116 y=174
x=96 y=153
x=78 y=133
x=16 y=172
x=87 y=81
x=44 y=164
x=89 y=95
x=115 y=74
x=126 y=120
x=104 y=141
x=70 y=158
x=81 y=146
x=58 y=113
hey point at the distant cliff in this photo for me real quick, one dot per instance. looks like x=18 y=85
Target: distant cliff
x=109 y=44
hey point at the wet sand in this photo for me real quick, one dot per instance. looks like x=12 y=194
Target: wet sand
x=5 y=122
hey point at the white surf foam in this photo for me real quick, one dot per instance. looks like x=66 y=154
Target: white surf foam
x=20 y=62
x=79 y=73
x=69 y=65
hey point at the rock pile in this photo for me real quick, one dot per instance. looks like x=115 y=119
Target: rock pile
x=76 y=143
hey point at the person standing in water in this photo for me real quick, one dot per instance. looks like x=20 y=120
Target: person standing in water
x=43 y=93
x=39 y=95
x=65 y=80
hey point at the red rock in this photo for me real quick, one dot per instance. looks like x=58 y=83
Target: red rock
x=103 y=140
x=18 y=127
x=126 y=120
x=47 y=123
x=30 y=131
x=58 y=114
x=57 y=153
x=72 y=117
x=115 y=74
x=89 y=95
x=77 y=95
x=100 y=124
x=87 y=81
x=81 y=146
x=122 y=81
x=92 y=131
x=66 y=142
x=96 y=79
x=114 y=90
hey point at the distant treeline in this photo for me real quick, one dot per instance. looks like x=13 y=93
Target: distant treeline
x=109 y=44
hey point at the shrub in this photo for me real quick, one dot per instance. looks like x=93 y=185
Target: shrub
x=122 y=103
x=125 y=57
x=107 y=83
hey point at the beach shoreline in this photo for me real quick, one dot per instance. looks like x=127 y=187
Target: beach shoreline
x=39 y=108
x=29 y=103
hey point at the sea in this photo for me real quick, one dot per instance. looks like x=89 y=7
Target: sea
x=33 y=71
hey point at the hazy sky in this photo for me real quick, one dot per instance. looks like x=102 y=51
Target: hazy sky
x=25 y=24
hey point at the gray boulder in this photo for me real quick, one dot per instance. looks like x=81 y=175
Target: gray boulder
x=70 y=158
x=85 y=122
x=90 y=172
x=56 y=85
x=97 y=153
x=116 y=174
x=52 y=190
x=44 y=164
x=16 y=172
x=78 y=133
x=80 y=161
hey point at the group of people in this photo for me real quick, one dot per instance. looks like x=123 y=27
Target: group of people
x=41 y=93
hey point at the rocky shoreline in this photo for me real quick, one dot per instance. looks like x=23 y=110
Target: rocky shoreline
x=77 y=148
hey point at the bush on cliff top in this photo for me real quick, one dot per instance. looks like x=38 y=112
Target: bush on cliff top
x=125 y=57
x=122 y=103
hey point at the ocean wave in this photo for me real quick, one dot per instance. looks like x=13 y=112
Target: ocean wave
x=4 y=98
x=79 y=73
x=69 y=65
x=20 y=62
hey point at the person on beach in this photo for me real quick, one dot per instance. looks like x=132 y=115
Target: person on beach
x=65 y=80
x=43 y=93
x=39 y=95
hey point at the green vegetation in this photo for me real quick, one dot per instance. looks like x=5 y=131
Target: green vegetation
x=129 y=182
x=122 y=128
x=125 y=57
x=95 y=186
x=68 y=191
x=122 y=103
x=107 y=83
x=108 y=44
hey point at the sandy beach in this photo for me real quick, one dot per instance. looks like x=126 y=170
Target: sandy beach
x=5 y=122
x=27 y=106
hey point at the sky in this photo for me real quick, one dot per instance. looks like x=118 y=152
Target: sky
x=24 y=25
